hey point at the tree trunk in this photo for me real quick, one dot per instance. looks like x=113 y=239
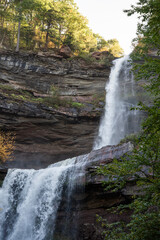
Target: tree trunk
x=47 y=35
x=18 y=37
x=3 y=37
x=2 y=22
x=60 y=32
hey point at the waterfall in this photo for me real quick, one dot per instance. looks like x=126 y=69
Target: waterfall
x=29 y=199
x=118 y=120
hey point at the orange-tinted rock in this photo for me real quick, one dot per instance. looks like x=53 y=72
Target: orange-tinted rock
x=100 y=55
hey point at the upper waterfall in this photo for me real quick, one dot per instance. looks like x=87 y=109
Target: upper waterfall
x=118 y=120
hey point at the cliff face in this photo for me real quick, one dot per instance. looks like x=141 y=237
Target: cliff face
x=39 y=72
x=47 y=132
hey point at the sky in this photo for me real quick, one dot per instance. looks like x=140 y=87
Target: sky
x=106 y=17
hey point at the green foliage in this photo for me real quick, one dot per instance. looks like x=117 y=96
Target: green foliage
x=77 y=105
x=113 y=231
x=143 y=166
x=98 y=98
x=6 y=87
x=114 y=48
x=54 y=91
x=89 y=59
x=1 y=183
x=43 y=25
x=130 y=138
x=54 y=99
x=111 y=46
x=86 y=57
x=101 y=42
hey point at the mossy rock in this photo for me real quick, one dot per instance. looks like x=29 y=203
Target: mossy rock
x=1 y=183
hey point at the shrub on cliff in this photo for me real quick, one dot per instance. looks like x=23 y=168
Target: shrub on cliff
x=6 y=146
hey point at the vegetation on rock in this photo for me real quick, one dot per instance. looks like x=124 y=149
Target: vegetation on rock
x=6 y=146
x=143 y=167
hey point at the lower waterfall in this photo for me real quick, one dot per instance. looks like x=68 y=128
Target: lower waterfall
x=29 y=199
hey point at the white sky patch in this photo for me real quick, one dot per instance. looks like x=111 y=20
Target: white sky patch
x=106 y=17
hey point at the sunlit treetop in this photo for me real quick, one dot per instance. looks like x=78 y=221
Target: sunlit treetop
x=47 y=24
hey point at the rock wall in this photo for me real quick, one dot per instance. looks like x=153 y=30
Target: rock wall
x=39 y=72
x=45 y=134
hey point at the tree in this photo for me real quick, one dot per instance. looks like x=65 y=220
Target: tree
x=22 y=7
x=111 y=46
x=144 y=164
x=47 y=16
x=45 y=24
x=5 y=14
x=101 y=42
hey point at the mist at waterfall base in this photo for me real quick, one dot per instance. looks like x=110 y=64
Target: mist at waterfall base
x=119 y=120
x=30 y=199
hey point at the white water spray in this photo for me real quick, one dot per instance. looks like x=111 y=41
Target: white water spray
x=118 y=121
x=29 y=199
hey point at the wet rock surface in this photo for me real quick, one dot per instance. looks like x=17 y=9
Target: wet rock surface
x=90 y=199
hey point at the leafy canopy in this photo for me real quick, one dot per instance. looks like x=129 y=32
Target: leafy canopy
x=49 y=24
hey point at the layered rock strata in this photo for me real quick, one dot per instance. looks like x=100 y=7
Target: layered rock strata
x=39 y=72
x=47 y=133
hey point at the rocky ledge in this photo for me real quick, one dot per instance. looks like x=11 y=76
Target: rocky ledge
x=38 y=72
x=89 y=200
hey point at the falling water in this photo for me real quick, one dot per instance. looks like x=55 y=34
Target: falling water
x=29 y=199
x=118 y=120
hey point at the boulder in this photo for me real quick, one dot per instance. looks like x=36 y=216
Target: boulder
x=100 y=55
x=65 y=51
